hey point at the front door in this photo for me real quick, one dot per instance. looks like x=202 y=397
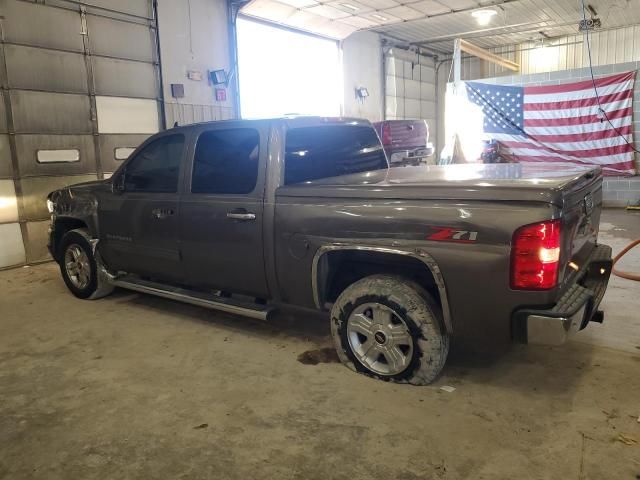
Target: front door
x=221 y=212
x=139 y=220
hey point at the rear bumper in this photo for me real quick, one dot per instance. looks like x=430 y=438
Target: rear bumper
x=576 y=308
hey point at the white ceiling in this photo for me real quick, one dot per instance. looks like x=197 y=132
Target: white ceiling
x=435 y=23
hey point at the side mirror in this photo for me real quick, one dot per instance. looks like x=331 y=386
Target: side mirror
x=117 y=186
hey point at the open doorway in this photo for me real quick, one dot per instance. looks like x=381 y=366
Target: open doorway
x=285 y=72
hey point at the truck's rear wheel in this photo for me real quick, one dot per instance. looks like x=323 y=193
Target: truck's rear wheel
x=390 y=328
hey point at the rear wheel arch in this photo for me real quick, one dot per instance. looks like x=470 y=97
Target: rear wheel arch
x=390 y=328
x=335 y=267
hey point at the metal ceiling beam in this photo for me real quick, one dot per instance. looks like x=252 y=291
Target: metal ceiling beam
x=474 y=33
x=493 y=33
x=479 y=52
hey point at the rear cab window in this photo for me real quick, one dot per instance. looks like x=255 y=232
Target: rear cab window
x=312 y=153
x=226 y=161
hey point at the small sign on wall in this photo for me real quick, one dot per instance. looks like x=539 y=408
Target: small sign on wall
x=221 y=95
x=194 y=75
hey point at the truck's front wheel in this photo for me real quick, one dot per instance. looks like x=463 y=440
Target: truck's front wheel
x=81 y=266
x=390 y=328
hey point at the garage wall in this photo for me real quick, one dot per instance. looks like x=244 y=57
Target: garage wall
x=194 y=36
x=80 y=87
x=410 y=84
x=362 y=67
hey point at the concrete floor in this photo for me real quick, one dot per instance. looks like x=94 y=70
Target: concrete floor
x=132 y=386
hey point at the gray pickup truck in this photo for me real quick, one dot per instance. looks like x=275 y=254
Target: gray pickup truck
x=248 y=216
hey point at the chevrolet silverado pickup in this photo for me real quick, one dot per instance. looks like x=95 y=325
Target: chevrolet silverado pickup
x=247 y=216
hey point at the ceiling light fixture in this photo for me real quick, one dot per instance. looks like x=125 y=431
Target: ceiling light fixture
x=379 y=17
x=483 y=17
x=350 y=7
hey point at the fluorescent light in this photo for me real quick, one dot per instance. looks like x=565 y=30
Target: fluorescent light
x=379 y=17
x=349 y=6
x=484 y=16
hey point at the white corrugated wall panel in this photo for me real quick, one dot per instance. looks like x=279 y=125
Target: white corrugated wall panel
x=11 y=245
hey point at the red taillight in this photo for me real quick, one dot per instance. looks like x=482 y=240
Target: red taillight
x=535 y=256
x=386 y=134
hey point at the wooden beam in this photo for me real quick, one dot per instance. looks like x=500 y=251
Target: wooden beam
x=480 y=52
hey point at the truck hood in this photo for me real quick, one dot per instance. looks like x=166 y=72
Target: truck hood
x=496 y=182
x=87 y=185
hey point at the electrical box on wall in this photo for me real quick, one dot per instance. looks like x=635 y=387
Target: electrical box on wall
x=177 y=90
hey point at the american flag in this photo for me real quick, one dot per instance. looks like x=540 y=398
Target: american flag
x=562 y=123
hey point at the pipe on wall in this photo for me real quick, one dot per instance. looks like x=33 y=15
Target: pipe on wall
x=233 y=8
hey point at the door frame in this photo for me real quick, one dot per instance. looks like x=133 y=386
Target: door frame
x=187 y=134
x=263 y=127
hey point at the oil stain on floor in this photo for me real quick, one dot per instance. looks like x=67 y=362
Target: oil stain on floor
x=320 y=355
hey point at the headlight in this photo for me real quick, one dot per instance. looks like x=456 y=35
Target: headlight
x=50 y=206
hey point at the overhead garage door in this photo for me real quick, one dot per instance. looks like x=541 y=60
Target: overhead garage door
x=410 y=88
x=80 y=89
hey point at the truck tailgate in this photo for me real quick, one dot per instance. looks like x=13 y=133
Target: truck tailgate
x=409 y=133
x=581 y=208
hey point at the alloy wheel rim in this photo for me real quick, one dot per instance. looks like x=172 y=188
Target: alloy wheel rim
x=380 y=339
x=77 y=266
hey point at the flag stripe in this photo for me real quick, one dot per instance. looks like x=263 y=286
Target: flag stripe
x=582 y=144
x=625 y=132
x=584 y=85
x=557 y=122
x=578 y=111
x=586 y=128
x=593 y=153
x=593 y=101
x=616 y=168
x=535 y=154
x=577 y=94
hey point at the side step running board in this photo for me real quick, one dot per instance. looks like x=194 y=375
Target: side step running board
x=228 y=305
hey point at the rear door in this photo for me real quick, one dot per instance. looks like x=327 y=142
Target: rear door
x=222 y=209
x=139 y=223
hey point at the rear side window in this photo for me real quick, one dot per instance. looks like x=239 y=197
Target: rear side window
x=226 y=161
x=330 y=151
x=156 y=167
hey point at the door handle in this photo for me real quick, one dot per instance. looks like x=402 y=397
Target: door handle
x=241 y=216
x=161 y=213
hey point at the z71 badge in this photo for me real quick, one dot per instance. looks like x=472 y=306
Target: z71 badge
x=449 y=234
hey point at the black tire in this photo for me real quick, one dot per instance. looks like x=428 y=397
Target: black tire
x=413 y=308
x=96 y=285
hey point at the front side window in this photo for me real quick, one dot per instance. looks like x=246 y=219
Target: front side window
x=156 y=167
x=226 y=161
x=331 y=151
